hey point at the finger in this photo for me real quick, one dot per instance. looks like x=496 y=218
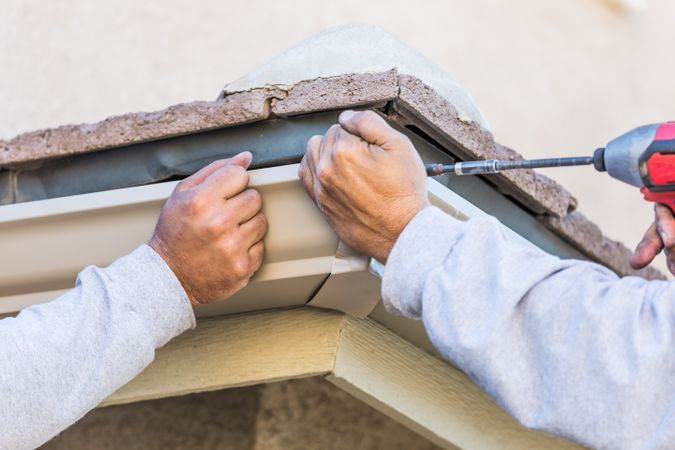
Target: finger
x=370 y=127
x=226 y=182
x=198 y=177
x=313 y=152
x=245 y=205
x=327 y=145
x=306 y=177
x=665 y=223
x=312 y=160
x=647 y=249
x=243 y=159
x=345 y=143
x=256 y=254
x=254 y=230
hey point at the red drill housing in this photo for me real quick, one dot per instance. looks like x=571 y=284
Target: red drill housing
x=657 y=166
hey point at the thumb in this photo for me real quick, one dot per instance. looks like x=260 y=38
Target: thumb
x=242 y=159
x=370 y=127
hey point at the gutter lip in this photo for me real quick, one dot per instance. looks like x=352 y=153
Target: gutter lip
x=117 y=198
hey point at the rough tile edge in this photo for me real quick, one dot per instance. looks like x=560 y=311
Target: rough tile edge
x=350 y=90
x=588 y=237
x=535 y=191
x=133 y=128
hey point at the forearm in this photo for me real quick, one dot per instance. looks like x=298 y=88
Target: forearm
x=565 y=346
x=62 y=358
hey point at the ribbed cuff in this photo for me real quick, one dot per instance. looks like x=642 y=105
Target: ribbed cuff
x=422 y=247
x=155 y=294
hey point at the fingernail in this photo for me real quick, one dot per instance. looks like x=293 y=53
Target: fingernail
x=347 y=115
x=243 y=159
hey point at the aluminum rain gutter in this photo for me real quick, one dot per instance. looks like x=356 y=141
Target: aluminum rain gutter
x=46 y=243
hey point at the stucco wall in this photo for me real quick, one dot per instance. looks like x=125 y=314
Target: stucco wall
x=552 y=77
x=304 y=414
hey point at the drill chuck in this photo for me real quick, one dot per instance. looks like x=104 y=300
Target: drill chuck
x=599 y=160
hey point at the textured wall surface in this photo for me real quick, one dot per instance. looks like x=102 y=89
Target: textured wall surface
x=313 y=414
x=224 y=419
x=551 y=77
x=300 y=414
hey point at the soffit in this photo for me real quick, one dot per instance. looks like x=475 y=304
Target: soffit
x=359 y=356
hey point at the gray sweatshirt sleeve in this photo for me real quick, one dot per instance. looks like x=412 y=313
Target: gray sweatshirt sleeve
x=565 y=346
x=60 y=359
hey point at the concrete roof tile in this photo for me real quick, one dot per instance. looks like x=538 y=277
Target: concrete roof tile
x=133 y=128
x=342 y=91
x=432 y=111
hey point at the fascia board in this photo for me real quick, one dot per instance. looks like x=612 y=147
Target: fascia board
x=240 y=350
x=374 y=364
x=427 y=395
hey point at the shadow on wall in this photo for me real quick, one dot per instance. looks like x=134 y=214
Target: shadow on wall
x=299 y=414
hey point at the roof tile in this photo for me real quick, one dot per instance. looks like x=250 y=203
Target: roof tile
x=133 y=128
x=337 y=92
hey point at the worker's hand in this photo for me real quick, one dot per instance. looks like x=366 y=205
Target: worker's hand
x=367 y=179
x=659 y=236
x=210 y=230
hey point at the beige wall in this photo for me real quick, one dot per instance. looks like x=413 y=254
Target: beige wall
x=553 y=77
x=308 y=414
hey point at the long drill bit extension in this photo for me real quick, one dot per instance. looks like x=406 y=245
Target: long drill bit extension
x=496 y=165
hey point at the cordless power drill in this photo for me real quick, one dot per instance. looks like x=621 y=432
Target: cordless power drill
x=643 y=157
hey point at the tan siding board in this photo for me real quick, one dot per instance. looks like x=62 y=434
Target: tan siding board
x=240 y=350
x=359 y=356
x=427 y=395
